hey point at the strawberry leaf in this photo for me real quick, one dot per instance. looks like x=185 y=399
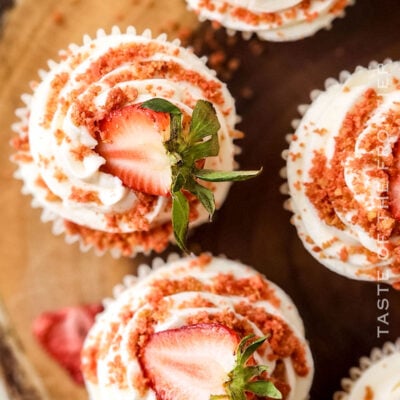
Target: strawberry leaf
x=250 y=349
x=263 y=389
x=162 y=105
x=205 y=195
x=204 y=149
x=253 y=371
x=204 y=122
x=180 y=218
x=179 y=180
x=223 y=176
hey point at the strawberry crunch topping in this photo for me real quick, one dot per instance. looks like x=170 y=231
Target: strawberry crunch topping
x=180 y=328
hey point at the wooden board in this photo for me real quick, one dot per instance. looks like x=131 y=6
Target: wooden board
x=40 y=272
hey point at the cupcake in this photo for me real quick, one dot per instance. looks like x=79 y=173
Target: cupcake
x=196 y=314
x=274 y=20
x=376 y=378
x=116 y=136
x=343 y=174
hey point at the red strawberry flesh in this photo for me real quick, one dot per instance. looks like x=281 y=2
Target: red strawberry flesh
x=191 y=362
x=63 y=332
x=132 y=142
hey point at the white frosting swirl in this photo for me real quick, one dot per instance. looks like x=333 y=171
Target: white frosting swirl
x=111 y=336
x=64 y=175
x=275 y=20
x=341 y=210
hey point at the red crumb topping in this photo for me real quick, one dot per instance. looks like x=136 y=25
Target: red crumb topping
x=374 y=272
x=59 y=175
x=90 y=355
x=81 y=152
x=50 y=196
x=344 y=254
x=86 y=113
x=139 y=53
x=283 y=341
x=20 y=143
x=117 y=372
x=136 y=215
x=338 y=7
x=22 y=157
x=84 y=196
x=320 y=131
x=369 y=393
x=196 y=302
x=279 y=378
x=201 y=261
x=255 y=288
x=328 y=191
x=59 y=135
x=57 y=85
x=156 y=238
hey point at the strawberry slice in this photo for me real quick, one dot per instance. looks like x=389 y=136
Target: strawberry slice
x=192 y=362
x=394 y=184
x=63 y=332
x=131 y=141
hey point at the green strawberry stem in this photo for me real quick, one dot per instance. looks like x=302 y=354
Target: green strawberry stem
x=184 y=149
x=245 y=379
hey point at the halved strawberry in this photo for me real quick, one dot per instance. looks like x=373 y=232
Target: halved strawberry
x=132 y=142
x=394 y=184
x=63 y=332
x=192 y=362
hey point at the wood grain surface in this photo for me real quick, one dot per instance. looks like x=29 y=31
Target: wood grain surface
x=40 y=272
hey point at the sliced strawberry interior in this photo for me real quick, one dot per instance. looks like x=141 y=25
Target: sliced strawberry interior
x=132 y=142
x=191 y=362
x=63 y=332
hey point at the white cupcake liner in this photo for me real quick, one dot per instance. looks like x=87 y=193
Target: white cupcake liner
x=20 y=127
x=260 y=33
x=377 y=354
